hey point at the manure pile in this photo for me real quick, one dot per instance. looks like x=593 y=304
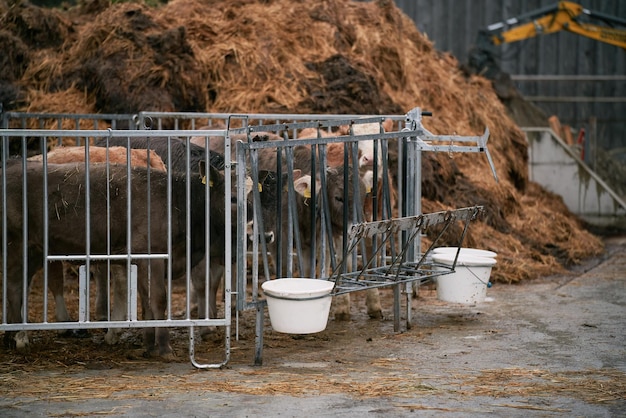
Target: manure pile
x=290 y=56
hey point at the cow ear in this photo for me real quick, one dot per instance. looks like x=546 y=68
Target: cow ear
x=202 y=168
x=368 y=181
x=203 y=173
x=388 y=125
x=303 y=186
x=297 y=174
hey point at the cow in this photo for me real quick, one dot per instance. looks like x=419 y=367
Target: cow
x=335 y=157
x=216 y=143
x=113 y=155
x=177 y=151
x=366 y=148
x=339 y=196
x=301 y=158
x=268 y=182
x=366 y=164
x=66 y=210
x=178 y=162
x=374 y=185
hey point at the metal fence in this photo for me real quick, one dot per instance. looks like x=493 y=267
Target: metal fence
x=202 y=225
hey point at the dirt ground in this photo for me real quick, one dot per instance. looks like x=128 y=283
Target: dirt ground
x=551 y=347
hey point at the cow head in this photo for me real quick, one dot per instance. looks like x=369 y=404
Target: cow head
x=270 y=188
x=341 y=195
x=366 y=148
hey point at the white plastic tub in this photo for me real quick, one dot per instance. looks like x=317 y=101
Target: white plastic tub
x=468 y=283
x=298 y=306
x=465 y=251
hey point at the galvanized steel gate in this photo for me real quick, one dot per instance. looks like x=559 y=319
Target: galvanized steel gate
x=385 y=247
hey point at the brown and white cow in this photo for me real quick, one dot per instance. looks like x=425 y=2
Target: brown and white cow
x=336 y=156
x=340 y=196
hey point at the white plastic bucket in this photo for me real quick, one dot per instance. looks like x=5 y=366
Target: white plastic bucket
x=465 y=251
x=468 y=283
x=298 y=306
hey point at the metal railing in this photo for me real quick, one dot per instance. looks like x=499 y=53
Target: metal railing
x=377 y=259
x=40 y=196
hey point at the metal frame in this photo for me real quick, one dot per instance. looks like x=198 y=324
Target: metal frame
x=405 y=267
x=84 y=320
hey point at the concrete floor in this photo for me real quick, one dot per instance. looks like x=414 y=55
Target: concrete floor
x=554 y=347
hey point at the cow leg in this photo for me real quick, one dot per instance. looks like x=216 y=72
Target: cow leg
x=119 y=285
x=342 y=307
x=102 y=291
x=143 y=288
x=154 y=302
x=342 y=302
x=12 y=339
x=199 y=285
x=56 y=272
x=372 y=301
x=307 y=267
x=14 y=302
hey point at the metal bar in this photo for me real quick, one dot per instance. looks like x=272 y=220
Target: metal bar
x=544 y=77
x=85 y=293
x=5 y=154
x=153 y=323
x=108 y=244
x=109 y=257
x=25 y=258
x=46 y=219
x=576 y=99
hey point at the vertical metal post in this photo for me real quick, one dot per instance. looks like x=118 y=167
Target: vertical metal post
x=413 y=195
x=87 y=231
x=5 y=153
x=83 y=294
x=46 y=218
x=25 y=278
x=258 y=337
x=228 y=273
x=417 y=247
x=132 y=295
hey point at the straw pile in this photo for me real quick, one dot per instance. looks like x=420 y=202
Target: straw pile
x=289 y=56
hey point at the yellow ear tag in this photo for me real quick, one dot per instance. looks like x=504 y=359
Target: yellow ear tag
x=260 y=187
x=204 y=181
x=307 y=193
x=368 y=190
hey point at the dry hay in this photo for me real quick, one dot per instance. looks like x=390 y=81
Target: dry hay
x=289 y=56
x=596 y=386
x=593 y=386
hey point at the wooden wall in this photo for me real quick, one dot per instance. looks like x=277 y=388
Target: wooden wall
x=453 y=25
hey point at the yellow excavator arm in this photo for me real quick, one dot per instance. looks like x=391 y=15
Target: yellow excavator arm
x=563 y=16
